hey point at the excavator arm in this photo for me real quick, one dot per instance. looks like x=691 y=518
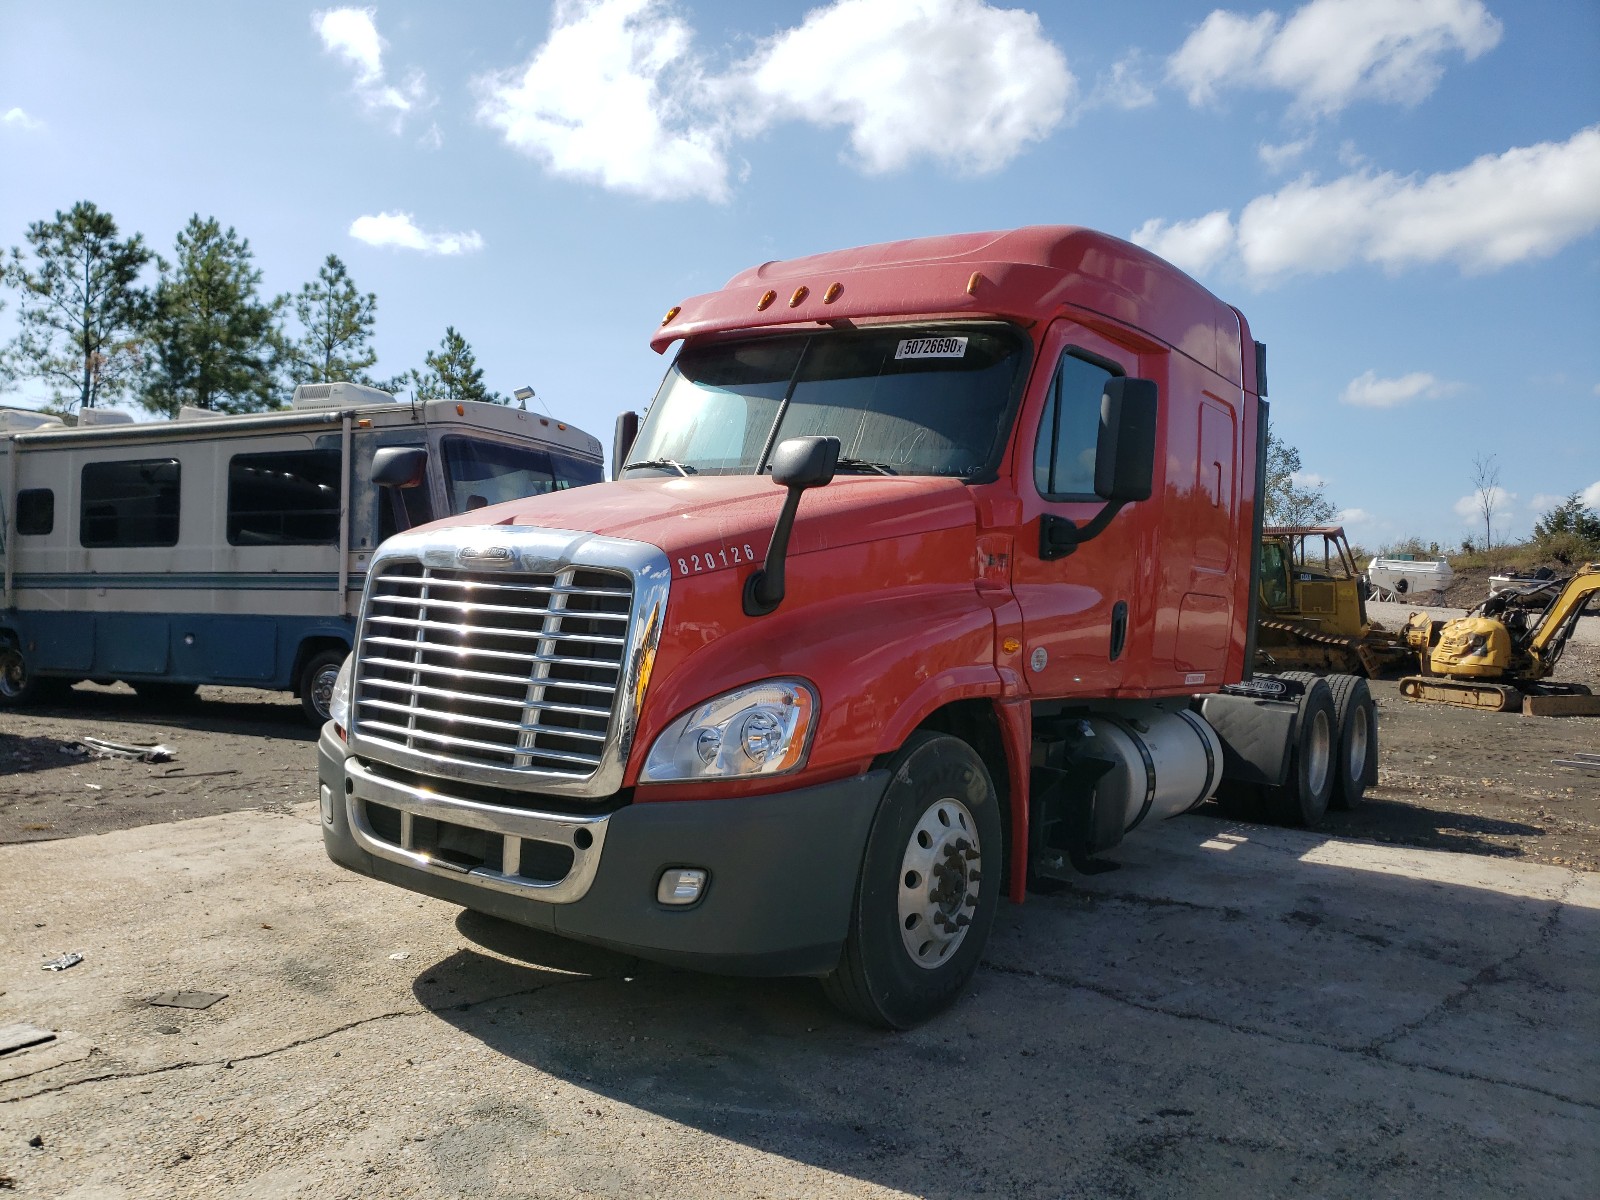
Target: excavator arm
x=1559 y=620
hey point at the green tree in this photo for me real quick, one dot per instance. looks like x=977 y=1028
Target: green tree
x=214 y=342
x=452 y=373
x=1290 y=501
x=1570 y=532
x=81 y=313
x=336 y=323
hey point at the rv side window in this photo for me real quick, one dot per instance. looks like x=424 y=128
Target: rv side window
x=290 y=498
x=130 y=503
x=36 y=511
x=1069 y=434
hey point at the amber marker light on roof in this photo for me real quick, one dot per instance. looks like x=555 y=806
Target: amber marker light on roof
x=972 y=284
x=672 y=312
x=832 y=294
x=800 y=293
x=461 y=410
x=766 y=301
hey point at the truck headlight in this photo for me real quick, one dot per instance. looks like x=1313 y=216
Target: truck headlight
x=339 y=702
x=762 y=729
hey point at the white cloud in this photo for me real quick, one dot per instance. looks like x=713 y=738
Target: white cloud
x=1280 y=157
x=1543 y=502
x=1470 y=508
x=352 y=35
x=1368 y=391
x=1195 y=245
x=15 y=118
x=1123 y=86
x=614 y=96
x=1308 y=479
x=1591 y=495
x=955 y=81
x=400 y=229
x=1526 y=203
x=1330 y=53
x=1355 y=516
x=618 y=95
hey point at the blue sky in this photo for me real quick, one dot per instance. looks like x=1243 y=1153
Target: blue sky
x=1403 y=198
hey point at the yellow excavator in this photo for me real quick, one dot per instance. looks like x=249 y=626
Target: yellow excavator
x=1500 y=655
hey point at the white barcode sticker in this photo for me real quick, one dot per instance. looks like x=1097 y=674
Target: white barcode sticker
x=945 y=347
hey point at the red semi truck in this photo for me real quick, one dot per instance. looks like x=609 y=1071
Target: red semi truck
x=928 y=576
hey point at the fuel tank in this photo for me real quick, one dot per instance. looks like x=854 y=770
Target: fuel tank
x=1166 y=763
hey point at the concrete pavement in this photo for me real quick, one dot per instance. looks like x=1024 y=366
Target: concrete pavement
x=1237 y=1011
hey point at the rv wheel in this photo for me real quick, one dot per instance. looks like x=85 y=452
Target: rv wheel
x=18 y=684
x=316 y=684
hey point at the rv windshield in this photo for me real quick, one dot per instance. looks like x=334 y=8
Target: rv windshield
x=931 y=400
x=480 y=473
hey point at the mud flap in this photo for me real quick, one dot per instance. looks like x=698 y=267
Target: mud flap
x=1257 y=735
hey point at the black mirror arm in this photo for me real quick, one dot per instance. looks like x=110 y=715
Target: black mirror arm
x=1059 y=537
x=763 y=591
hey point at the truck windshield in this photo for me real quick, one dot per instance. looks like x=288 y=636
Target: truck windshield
x=932 y=400
x=479 y=472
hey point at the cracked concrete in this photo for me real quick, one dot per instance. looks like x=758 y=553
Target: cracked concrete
x=1236 y=1011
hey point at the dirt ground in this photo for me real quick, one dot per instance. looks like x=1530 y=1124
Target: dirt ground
x=1480 y=783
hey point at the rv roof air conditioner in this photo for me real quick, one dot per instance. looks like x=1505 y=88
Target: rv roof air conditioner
x=103 y=416
x=14 y=420
x=338 y=395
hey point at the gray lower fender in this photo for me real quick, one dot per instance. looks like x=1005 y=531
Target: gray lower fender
x=783 y=871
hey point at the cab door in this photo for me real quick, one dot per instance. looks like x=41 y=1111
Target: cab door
x=1080 y=610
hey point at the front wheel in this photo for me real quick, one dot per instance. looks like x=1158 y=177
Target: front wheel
x=316 y=684
x=928 y=889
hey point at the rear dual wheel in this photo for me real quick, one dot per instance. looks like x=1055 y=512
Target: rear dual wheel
x=928 y=888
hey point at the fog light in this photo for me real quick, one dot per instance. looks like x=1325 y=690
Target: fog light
x=681 y=885
x=327 y=805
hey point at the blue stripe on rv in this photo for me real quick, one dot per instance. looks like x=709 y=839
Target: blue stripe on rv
x=253 y=651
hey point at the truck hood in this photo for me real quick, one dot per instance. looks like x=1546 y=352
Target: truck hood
x=715 y=515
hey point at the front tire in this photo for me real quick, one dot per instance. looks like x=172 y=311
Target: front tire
x=316 y=684
x=928 y=889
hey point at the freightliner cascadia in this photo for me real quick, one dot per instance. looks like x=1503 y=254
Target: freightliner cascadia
x=927 y=577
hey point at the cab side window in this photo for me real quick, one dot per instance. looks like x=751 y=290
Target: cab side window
x=1069 y=433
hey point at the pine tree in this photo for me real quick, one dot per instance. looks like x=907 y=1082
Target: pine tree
x=214 y=342
x=452 y=373
x=336 y=322
x=81 y=312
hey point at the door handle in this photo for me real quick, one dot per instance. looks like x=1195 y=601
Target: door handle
x=1119 y=628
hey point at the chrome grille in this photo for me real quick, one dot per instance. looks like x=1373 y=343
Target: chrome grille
x=493 y=669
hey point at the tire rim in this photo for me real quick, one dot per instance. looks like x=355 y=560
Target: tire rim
x=322 y=691
x=939 y=875
x=13 y=673
x=1318 y=754
x=1358 y=744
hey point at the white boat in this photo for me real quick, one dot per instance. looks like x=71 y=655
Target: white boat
x=1405 y=578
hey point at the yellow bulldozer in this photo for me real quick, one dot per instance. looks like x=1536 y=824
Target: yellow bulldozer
x=1312 y=607
x=1500 y=655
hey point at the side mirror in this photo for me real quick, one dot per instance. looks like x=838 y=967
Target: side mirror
x=622 y=441
x=399 y=466
x=805 y=462
x=1125 y=457
x=797 y=464
x=1124 y=465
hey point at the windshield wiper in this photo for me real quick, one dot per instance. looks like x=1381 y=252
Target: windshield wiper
x=663 y=462
x=866 y=464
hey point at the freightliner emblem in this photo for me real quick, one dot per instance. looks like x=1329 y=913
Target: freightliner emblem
x=486 y=556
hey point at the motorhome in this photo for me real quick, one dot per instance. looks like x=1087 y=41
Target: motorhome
x=233 y=549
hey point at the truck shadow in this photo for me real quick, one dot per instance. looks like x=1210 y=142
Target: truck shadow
x=24 y=755
x=1117 y=1040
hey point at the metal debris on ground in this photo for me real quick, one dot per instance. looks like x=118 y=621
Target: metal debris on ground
x=20 y=1037
x=60 y=963
x=134 y=752
x=1580 y=762
x=186 y=999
